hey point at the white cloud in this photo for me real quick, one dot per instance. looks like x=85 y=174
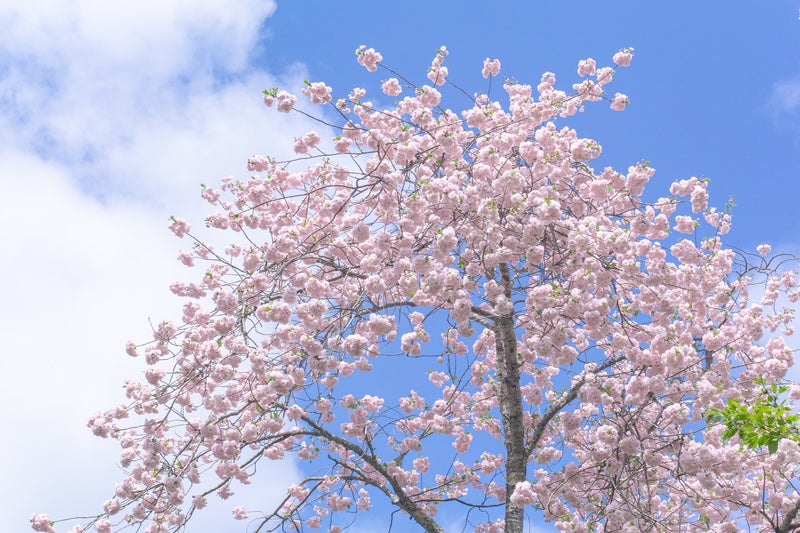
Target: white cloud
x=783 y=102
x=157 y=39
x=111 y=115
x=77 y=282
x=89 y=83
x=786 y=95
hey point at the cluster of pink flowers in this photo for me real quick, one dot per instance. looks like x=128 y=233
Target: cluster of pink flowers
x=551 y=315
x=491 y=67
x=438 y=73
x=285 y=100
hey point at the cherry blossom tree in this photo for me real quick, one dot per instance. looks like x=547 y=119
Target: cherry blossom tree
x=456 y=317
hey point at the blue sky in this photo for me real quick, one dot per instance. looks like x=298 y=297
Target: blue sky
x=113 y=113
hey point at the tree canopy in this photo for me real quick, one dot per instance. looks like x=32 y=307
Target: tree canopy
x=455 y=316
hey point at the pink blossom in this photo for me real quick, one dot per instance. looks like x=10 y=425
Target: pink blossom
x=764 y=249
x=604 y=76
x=437 y=75
x=368 y=58
x=257 y=164
x=311 y=139
x=179 y=226
x=422 y=464
x=318 y=92
x=523 y=494
x=342 y=144
x=623 y=57
x=295 y=412
x=684 y=224
x=491 y=67
x=619 y=102
x=463 y=442
x=40 y=522
x=337 y=502
x=629 y=445
x=391 y=87
x=186 y=257
x=587 y=67
x=355 y=345
x=409 y=344
x=438 y=378
x=286 y=101
x=131 y=349
x=429 y=96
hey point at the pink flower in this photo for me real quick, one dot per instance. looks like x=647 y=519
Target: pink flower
x=318 y=92
x=438 y=75
x=186 y=257
x=462 y=442
x=342 y=144
x=130 y=349
x=300 y=146
x=112 y=506
x=391 y=87
x=285 y=101
x=428 y=96
x=239 y=513
x=210 y=195
x=438 y=378
x=311 y=139
x=355 y=345
x=764 y=249
x=491 y=67
x=40 y=522
x=623 y=57
x=338 y=503
x=584 y=149
x=523 y=494
x=699 y=198
x=684 y=224
x=257 y=163
x=604 y=75
x=179 y=226
x=408 y=343
x=587 y=67
x=199 y=502
x=619 y=102
x=295 y=412
x=368 y=58
x=629 y=445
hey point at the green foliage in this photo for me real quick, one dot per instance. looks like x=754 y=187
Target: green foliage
x=764 y=423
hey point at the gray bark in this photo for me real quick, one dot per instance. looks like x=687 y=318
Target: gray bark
x=510 y=400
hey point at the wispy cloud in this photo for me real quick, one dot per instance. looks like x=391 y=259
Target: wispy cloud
x=783 y=103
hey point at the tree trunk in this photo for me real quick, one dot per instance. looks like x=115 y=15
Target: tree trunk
x=510 y=399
